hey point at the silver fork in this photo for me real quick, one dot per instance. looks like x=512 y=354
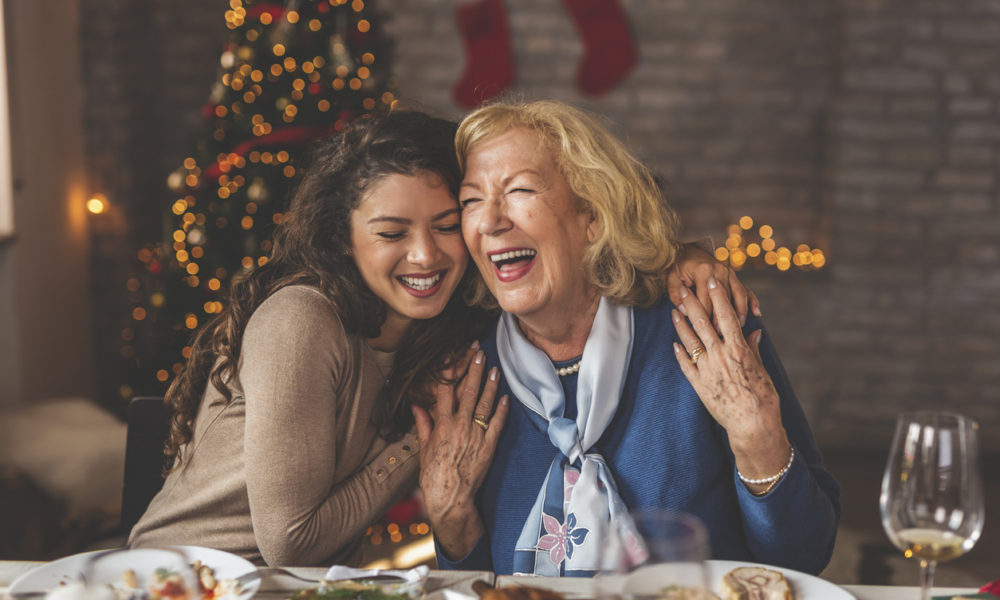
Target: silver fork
x=272 y=571
x=262 y=572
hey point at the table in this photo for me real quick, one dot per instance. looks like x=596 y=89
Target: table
x=461 y=582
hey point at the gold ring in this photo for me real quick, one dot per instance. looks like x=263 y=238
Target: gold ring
x=481 y=421
x=696 y=354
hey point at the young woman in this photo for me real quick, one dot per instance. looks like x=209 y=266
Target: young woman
x=291 y=430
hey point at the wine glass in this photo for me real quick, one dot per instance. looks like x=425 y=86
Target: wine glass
x=668 y=562
x=932 y=494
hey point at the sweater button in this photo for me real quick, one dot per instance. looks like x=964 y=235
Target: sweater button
x=406 y=448
x=380 y=473
x=392 y=460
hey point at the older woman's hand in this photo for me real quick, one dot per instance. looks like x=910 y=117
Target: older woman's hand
x=728 y=374
x=693 y=269
x=456 y=450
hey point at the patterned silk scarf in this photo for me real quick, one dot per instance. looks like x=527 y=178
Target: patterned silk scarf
x=578 y=497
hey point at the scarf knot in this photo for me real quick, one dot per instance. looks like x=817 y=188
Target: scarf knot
x=565 y=436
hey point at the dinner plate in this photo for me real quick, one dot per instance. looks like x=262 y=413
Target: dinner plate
x=70 y=568
x=650 y=580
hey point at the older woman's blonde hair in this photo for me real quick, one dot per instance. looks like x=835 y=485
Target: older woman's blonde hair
x=636 y=240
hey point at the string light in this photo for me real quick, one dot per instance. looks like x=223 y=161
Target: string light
x=97 y=204
x=740 y=249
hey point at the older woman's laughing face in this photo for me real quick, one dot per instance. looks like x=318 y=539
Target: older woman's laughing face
x=523 y=227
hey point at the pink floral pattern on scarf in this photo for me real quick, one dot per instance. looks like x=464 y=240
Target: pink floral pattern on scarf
x=560 y=538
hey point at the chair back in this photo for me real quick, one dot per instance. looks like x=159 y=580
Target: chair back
x=148 y=425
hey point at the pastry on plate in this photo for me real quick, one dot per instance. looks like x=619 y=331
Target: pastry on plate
x=755 y=583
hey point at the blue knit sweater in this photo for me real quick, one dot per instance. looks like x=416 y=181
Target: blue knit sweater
x=666 y=451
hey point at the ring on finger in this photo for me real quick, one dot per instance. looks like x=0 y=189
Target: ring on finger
x=696 y=354
x=482 y=421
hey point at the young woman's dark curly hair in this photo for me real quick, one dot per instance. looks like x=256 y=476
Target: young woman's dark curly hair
x=312 y=247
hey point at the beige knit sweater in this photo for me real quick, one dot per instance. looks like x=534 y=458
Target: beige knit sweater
x=291 y=471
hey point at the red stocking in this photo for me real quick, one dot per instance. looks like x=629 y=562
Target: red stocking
x=608 y=51
x=489 y=68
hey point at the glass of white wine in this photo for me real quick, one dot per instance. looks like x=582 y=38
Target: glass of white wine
x=932 y=493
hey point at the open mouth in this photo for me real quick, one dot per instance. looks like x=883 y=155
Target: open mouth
x=511 y=260
x=421 y=283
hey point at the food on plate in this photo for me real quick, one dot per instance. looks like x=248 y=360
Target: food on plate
x=165 y=584
x=210 y=586
x=520 y=592
x=357 y=590
x=755 y=583
x=680 y=592
x=162 y=584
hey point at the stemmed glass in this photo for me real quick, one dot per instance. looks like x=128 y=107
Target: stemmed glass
x=932 y=493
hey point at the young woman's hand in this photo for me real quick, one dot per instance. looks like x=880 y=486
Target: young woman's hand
x=457 y=439
x=694 y=267
x=728 y=374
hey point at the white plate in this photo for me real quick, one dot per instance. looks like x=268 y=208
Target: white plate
x=70 y=568
x=649 y=580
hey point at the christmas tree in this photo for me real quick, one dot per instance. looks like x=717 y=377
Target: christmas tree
x=290 y=74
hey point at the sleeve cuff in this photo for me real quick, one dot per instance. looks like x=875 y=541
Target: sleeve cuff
x=744 y=492
x=394 y=456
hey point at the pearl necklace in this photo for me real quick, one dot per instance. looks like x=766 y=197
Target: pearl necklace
x=573 y=368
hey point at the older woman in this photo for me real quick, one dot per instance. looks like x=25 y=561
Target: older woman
x=614 y=398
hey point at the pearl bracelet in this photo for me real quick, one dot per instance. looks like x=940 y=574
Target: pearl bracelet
x=772 y=478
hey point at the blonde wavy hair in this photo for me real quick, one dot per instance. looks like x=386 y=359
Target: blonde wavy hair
x=637 y=238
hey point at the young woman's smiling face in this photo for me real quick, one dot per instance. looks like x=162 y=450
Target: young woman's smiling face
x=406 y=240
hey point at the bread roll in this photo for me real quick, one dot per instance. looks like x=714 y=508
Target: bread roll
x=755 y=583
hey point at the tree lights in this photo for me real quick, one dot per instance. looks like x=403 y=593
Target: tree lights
x=287 y=78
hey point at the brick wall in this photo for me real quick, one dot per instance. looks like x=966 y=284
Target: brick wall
x=147 y=68
x=913 y=191
x=865 y=128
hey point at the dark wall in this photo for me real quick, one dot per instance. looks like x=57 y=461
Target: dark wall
x=147 y=68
